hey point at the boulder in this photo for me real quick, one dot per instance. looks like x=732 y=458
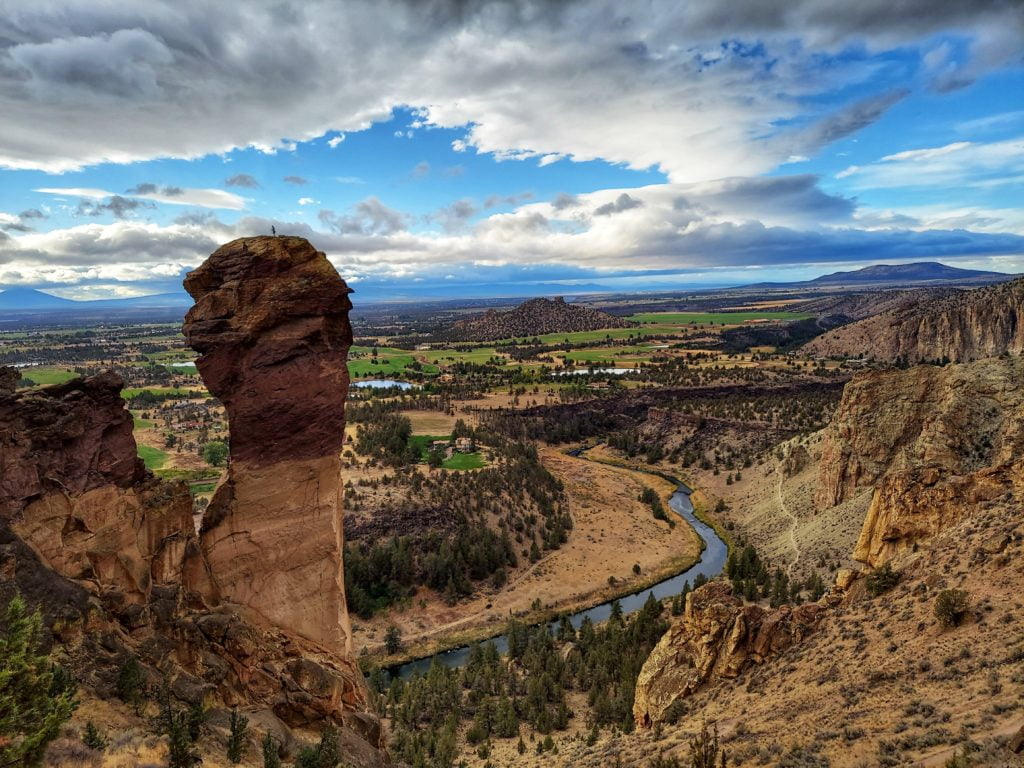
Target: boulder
x=717 y=637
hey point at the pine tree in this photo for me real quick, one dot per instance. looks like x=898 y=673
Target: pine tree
x=34 y=700
x=271 y=756
x=236 y=740
x=93 y=738
x=131 y=683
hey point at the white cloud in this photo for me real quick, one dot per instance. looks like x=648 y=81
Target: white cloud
x=699 y=89
x=958 y=165
x=204 y=198
x=334 y=141
x=307 y=201
x=727 y=224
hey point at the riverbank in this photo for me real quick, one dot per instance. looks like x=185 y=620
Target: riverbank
x=613 y=531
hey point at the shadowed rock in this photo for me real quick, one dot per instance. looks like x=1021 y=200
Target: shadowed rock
x=271 y=325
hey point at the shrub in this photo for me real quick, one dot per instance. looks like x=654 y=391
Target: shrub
x=951 y=607
x=882 y=579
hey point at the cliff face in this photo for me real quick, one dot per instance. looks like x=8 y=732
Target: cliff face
x=271 y=325
x=73 y=489
x=718 y=637
x=962 y=326
x=931 y=440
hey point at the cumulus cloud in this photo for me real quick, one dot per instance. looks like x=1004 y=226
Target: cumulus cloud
x=701 y=89
x=119 y=207
x=730 y=224
x=367 y=217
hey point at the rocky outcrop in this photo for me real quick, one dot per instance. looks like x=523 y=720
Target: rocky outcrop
x=931 y=440
x=959 y=327
x=271 y=326
x=718 y=637
x=535 y=318
x=73 y=489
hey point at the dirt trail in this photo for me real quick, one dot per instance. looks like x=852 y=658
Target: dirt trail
x=792 y=526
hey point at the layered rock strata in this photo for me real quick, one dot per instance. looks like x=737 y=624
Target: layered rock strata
x=718 y=637
x=271 y=326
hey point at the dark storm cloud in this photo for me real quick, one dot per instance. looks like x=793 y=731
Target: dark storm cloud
x=74 y=75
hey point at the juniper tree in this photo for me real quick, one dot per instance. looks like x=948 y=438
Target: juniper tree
x=35 y=700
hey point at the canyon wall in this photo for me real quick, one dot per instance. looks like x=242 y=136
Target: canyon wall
x=73 y=489
x=959 y=327
x=931 y=440
x=271 y=326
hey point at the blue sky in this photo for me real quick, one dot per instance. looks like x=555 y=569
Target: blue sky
x=517 y=149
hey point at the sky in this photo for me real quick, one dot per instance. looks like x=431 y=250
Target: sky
x=455 y=149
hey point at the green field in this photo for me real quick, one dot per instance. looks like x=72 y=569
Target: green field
x=422 y=442
x=141 y=423
x=713 y=318
x=581 y=337
x=45 y=377
x=154 y=458
x=460 y=461
x=202 y=488
x=133 y=391
x=389 y=362
x=478 y=355
x=627 y=354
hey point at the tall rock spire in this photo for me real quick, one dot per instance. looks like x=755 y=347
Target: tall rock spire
x=271 y=326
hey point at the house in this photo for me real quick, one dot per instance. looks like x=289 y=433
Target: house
x=464 y=445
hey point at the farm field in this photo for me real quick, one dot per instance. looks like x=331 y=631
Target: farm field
x=713 y=318
x=154 y=458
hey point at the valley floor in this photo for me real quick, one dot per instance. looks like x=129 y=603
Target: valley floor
x=612 y=532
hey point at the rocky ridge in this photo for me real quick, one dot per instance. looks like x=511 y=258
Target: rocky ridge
x=535 y=318
x=958 y=327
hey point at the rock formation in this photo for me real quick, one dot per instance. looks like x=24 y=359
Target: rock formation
x=271 y=326
x=960 y=327
x=534 y=318
x=931 y=440
x=718 y=637
x=73 y=489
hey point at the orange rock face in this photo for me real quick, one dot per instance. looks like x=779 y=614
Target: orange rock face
x=271 y=325
x=74 y=490
x=932 y=440
x=717 y=637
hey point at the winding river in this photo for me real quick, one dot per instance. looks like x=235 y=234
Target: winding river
x=711 y=563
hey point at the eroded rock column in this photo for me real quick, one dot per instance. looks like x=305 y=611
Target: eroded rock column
x=271 y=326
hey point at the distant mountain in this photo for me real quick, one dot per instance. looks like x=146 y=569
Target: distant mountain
x=920 y=271
x=958 y=326
x=534 y=318
x=30 y=298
